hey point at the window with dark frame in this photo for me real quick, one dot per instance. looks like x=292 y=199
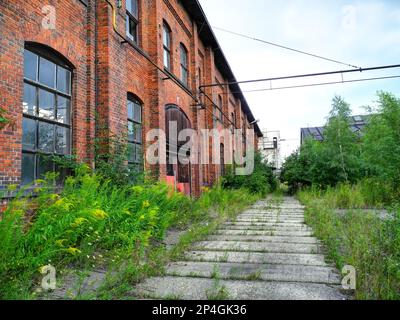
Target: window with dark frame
x=217 y=114
x=222 y=159
x=132 y=19
x=184 y=65
x=220 y=106
x=135 y=140
x=46 y=123
x=167 y=46
x=232 y=125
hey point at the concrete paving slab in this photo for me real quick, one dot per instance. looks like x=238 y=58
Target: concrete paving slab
x=203 y=289
x=257 y=246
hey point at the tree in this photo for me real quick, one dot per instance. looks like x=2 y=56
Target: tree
x=342 y=147
x=381 y=142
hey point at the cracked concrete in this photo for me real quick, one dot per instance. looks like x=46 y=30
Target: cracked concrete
x=267 y=252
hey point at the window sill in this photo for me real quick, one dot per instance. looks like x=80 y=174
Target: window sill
x=170 y=74
x=84 y=2
x=28 y=192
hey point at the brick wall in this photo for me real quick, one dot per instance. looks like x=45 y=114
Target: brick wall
x=106 y=68
x=21 y=23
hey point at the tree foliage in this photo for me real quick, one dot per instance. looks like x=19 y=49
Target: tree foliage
x=262 y=180
x=345 y=157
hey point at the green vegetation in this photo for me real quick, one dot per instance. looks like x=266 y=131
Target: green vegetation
x=370 y=160
x=357 y=238
x=262 y=180
x=3 y=120
x=94 y=223
x=353 y=173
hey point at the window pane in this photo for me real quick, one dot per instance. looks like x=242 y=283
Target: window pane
x=30 y=65
x=131 y=131
x=183 y=56
x=28 y=168
x=130 y=109
x=46 y=137
x=46 y=104
x=138 y=133
x=166 y=37
x=28 y=134
x=62 y=140
x=138 y=154
x=137 y=113
x=132 y=7
x=167 y=59
x=63 y=80
x=131 y=29
x=29 y=103
x=47 y=72
x=184 y=75
x=131 y=152
x=63 y=110
x=44 y=165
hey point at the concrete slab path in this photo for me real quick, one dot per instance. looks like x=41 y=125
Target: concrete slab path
x=267 y=253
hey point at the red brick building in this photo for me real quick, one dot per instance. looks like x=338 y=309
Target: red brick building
x=71 y=71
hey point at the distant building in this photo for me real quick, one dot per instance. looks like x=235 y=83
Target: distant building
x=357 y=124
x=270 y=147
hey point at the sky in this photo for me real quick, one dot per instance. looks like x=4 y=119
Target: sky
x=363 y=33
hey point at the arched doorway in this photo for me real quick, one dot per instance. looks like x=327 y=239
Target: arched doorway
x=178 y=174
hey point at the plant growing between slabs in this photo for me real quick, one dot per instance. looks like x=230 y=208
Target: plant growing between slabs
x=3 y=120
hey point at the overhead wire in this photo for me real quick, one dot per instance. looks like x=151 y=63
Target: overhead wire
x=285 y=47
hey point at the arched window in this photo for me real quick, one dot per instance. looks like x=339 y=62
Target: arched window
x=167 y=46
x=132 y=19
x=184 y=65
x=46 y=124
x=135 y=139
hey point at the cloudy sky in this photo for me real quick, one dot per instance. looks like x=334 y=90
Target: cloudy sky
x=364 y=33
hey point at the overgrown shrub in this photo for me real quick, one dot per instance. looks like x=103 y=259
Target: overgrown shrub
x=94 y=221
x=370 y=161
x=362 y=240
x=261 y=181
x=111 y=161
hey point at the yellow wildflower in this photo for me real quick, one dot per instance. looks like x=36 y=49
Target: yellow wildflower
x=64 y=204
x=73 y=250
x=78 y=221
x=137 y=189
x=54 y=196
x=99 y=214
x=60 y=242
x=126 y=211
x=141 y=217
x=12 y=187
x=146 y=204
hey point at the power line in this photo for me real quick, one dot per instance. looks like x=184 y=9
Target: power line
x=285 y=47
x=320 y=84
x=302 y=76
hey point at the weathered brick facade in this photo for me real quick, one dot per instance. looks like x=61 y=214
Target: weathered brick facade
x=106 y=66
